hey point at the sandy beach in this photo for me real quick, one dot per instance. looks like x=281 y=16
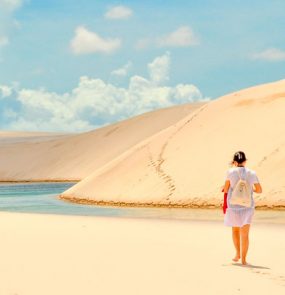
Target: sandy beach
x=49 y=254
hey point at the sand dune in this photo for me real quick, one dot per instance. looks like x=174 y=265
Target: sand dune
x=42 y=156
x=10 y=137
x=185 y=164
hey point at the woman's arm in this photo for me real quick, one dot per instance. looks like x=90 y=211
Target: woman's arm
x=226 y=186
x=257 y=188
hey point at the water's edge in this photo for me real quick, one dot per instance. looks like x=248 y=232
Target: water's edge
x=43 y=198
x=39 y=180
x=157 y=205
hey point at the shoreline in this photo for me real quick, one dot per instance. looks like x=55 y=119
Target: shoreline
x=130 y=204
x=39 y=180
x=185 y=215
x=156 y=205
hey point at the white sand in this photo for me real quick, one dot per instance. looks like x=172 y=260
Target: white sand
x=185 y=164
x=42 y=156
x=46 y=254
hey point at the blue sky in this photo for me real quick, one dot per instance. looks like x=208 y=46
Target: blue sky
x=217 y=46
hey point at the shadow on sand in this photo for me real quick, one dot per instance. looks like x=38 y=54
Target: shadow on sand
x=250 y=266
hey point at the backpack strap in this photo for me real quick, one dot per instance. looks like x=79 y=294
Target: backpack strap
x=246 y=175
x=239 y=174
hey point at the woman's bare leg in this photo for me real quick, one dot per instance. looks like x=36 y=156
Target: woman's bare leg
x=236 y=240
x=244 y=242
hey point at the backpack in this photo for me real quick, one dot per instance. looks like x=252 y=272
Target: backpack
x=241 y=194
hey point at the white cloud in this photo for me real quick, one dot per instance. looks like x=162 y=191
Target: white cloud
x=182 y=37
x=86 y=42
x=5 y=91
x=9 y=114
x=159 y=68
x=123 y=71
x=119 y=12
x=271 y=54
x=7 y=23
x=10 y=5
x=93 y=103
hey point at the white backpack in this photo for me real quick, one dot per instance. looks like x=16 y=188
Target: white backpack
x=241 y=194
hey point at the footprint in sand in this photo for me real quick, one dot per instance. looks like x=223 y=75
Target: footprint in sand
x=278 y=278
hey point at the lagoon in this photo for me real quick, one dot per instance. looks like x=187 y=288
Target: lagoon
x=42 y=198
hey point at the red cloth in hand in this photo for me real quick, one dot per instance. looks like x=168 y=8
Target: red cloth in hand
x=225 y=205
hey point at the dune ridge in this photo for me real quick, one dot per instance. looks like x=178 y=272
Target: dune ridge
x=31 y=157
x=184 y=165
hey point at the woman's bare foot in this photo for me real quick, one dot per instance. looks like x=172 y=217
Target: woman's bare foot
x=236 y=258
x=244 y=262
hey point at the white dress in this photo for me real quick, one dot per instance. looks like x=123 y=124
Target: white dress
x=237 y=215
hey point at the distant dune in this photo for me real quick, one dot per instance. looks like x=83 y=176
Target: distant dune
x=185 y=164
x=39 y=156
x=10 y=137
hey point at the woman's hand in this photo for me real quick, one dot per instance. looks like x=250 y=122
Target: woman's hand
x=257 y=188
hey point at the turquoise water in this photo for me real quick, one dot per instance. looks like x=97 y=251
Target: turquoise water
x=42 y=198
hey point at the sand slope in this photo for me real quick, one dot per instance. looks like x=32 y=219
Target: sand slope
x=43 y=156
x=185 y=163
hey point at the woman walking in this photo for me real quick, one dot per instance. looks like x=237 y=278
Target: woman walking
x=237 y=214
